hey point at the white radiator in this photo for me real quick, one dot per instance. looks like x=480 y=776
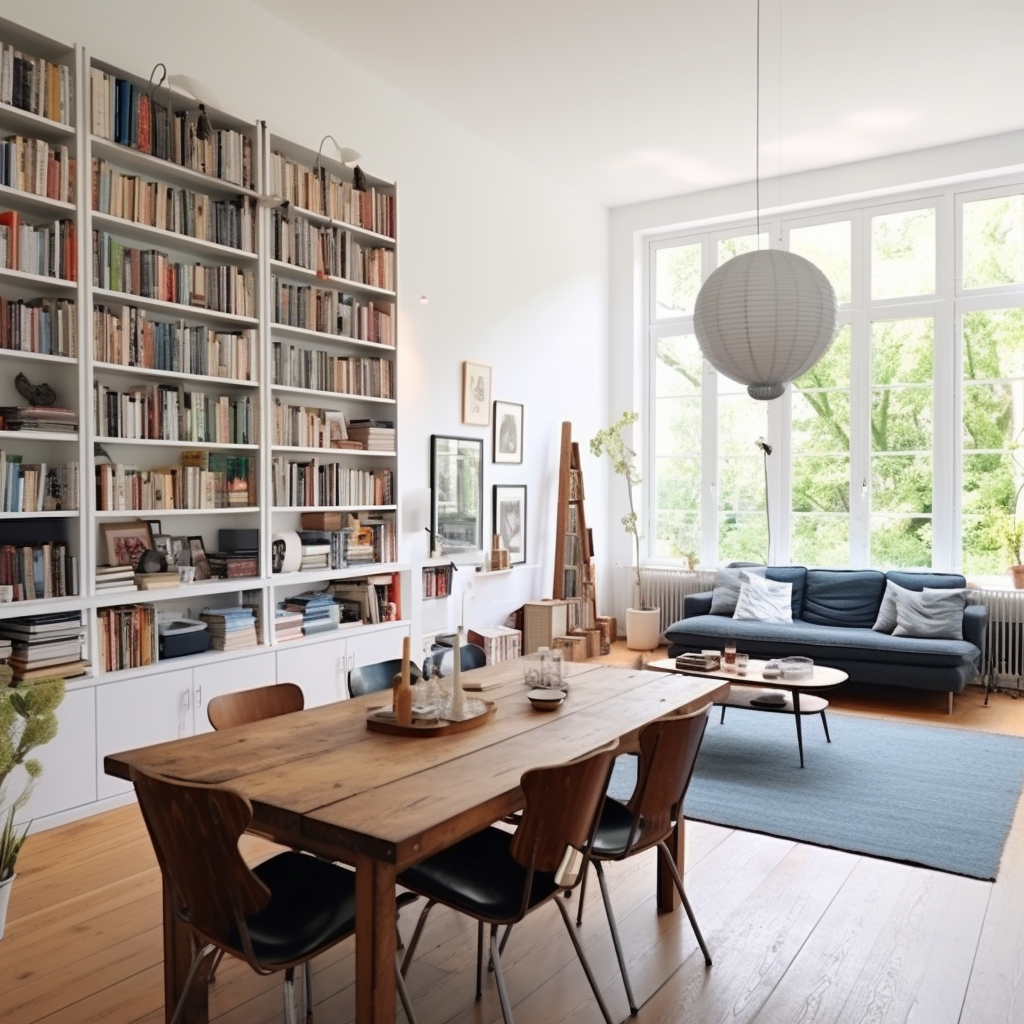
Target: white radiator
x=666 y=588
x=1004 y=643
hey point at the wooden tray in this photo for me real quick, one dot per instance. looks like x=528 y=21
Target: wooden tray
x=441 y=728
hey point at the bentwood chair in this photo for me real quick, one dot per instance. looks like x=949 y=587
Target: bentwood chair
x=668 y=751
x=498 y=877
x=472 y=656
x=245 y=706
x=380 y=676
x=276 y=916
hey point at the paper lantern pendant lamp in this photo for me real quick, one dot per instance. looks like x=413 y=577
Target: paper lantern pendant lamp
x=764 y=319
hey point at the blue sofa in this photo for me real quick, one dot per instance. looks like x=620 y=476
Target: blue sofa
x=833 y=614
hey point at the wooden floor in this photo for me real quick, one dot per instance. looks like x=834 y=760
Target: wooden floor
x=798 y=933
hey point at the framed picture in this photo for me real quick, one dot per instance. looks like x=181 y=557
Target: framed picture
x=476 y=394
x=510 y=520
x=125 y=542
x=154 y=527
x=457 y=493
x=197 y=553
x=180 y=554
x=507 y=443
x=336 y=428
x=162 y=543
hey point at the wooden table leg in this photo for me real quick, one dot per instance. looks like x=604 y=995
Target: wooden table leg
x=177 y=960
x=668 y=895
x=376 y=917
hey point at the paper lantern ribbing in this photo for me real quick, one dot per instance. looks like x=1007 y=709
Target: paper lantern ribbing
x=764 y=319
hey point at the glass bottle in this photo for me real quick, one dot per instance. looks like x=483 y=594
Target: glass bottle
x=557 y=669
x=544 y=668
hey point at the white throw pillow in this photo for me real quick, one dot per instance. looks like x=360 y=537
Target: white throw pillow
x=764 y=600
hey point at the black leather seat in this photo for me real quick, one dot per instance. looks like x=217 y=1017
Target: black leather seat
x=379 y=676
x=472 y=656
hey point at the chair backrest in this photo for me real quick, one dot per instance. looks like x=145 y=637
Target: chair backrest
x=472 y=656
x=668 y=752
x=562 y=805
x=379 y=676
x=195 y=831
x=244 y=706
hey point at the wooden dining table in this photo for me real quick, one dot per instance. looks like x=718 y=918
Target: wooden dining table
x=320 y=780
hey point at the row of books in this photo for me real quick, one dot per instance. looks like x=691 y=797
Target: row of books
x=323 y=549
x=127 y=637
x=304 y=427
x=332 y=312
x=154 y=275
x=36 y=486
x=36 y=418
x=215 y=480
x=230 y=222
x=36 y=85
x=330 y=250
x=126 y=114
x=316 y=370
x=46 y=326
x=49 y=250
x=231 y=629
x=171 y=413
x=500 y=643
x=330 y=484
x=35 y=572
x=371 y=540
x=44 y=646
x=437 y=580
x=320 y=612
x=370 y=599
x=330 y=195
x=128 y=336
x=36 y=166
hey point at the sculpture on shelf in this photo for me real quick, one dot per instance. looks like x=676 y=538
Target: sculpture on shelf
x=37 y=394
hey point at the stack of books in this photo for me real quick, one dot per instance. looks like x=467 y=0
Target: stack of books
x=287 y=626
x=115 y=579
x=324 y=549
x=157 y=580
x=500 y=643
x=39 y=417
x=373 y=435
x=231 y=629
x=698 y=661
x=320 y=612
x=45 y=645
x=227 y=565
x=35 y=571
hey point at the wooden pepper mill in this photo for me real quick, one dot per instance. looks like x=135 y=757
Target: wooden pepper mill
x=402 y=689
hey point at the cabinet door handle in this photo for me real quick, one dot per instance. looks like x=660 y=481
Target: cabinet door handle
x=183 y=713
x=199 y=696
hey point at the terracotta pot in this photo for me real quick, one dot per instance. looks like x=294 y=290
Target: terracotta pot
x=643 y=628
x=1017 y=574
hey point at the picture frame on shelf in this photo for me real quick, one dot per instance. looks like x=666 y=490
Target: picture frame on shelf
x=155 y=528
x=476 y=394
x=507 y=442
x=124 y=543
x=197 y=554
x=337 y=429
x=180 y=553
x=162 y=543
x=509 y=519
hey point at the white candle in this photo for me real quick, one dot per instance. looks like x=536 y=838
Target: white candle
x=458 y=706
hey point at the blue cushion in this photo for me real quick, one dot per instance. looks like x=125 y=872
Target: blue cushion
x=795 y=574
x=932 y=580
x=843 y=597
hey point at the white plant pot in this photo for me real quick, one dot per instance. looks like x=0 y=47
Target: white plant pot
x=5 y=897
x=643 y=628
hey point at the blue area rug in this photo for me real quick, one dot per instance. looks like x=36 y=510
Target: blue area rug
x=937 y=797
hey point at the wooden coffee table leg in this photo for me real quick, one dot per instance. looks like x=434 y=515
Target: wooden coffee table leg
x=799 y=730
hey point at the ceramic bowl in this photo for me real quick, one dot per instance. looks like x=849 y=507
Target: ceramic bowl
x=545 y=699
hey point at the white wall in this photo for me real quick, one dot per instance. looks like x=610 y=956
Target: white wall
x=513 y=263
x=631 y=226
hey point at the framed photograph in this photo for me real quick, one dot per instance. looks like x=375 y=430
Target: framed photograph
x=162 y=543
x=197 y=554
x=476 y=394
x=125 y=542
x=510 y=520
x=507 y=443
x=180 y=554
x=336 y=428
x=154 y=527
x=457 y=493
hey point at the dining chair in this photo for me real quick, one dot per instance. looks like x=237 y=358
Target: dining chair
x=498 y=877
x=379 y=676
x=668 y=751
x=472 y=656
x=245 y=706
x=276 y=916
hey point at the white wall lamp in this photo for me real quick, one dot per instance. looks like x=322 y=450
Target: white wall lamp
x=344 y=154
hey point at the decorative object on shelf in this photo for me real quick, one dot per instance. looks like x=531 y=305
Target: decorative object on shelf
x=28 y=719
x=286 y=552
x=197 y=553
x=456 y=492
x=476 y=394
x=125 y=543
x=498 y=557
x=643 y=623
x=37 y=394
x=764 y=318
x=507 y=443
x=509 y=518
x=152 y=561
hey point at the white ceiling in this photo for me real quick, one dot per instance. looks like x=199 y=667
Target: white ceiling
x=628 y=102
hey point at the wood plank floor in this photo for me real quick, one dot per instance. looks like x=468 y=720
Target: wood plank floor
x=798 y=933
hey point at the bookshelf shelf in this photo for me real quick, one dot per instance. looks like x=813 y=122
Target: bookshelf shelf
x=41 y=606
x=286 y=389
x=357 y=452
x=325 y=221
x=334 y=508
x=177 y=310
x=38 y=284
x=302 y=334
x=190 y=592
x=172 y=240
x=42 y=206
x=340 y=284
x=37 y=357
x=157 y=442
x=175 y=375
x=159 y=513
x=35 y=125
x=38 y=435
x=62 y=514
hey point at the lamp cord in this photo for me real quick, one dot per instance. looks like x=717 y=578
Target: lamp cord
x=757 y=120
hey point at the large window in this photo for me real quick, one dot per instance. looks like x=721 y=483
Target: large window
x=904 y=445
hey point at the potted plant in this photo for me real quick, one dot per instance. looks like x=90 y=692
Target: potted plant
x=643 y=622
x=1013 y=540
x=28 y=719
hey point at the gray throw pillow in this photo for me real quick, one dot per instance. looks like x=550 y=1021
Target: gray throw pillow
x=930 y=614
x=764 y=600
x=727 y=589
x=886 y=621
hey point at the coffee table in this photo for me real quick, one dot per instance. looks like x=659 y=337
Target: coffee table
x=748 y=691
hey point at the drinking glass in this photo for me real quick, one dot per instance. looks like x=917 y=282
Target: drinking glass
x=729 y=651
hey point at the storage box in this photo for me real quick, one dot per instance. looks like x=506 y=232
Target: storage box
x=181 y=637
x=542 y=622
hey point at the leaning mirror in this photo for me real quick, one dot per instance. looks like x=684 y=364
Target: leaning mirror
x=456 y=493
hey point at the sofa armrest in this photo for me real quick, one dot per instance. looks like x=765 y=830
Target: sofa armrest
x=975 y=627
x=697 y=604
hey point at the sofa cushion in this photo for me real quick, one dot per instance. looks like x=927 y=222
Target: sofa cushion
x=919 y=580
x=843 y=597
x=727 y=588
x=795 y=575
x=936 y=614
x=764 y=600
x=886 y=621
